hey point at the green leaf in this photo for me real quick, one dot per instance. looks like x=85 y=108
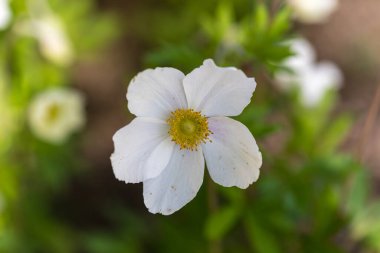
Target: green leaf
x=260 y=19
x=179 y=56
x=234 y=195
x=335 y=132
x=221 y=222
x=217 y=27
x=358 y=193
x=261 y=239
x=280 y=24
x=366 y=225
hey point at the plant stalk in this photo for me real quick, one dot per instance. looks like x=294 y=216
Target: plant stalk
x=213 y=206
x=369 y=124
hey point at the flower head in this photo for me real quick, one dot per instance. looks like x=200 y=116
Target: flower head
x=5 y=14
x=311 y=78
x=313 y=11
x=55 y=114
x=188 y=128
x=181 y=123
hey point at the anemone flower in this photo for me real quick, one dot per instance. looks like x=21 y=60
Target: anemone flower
x=181 y=123
x=55 y=114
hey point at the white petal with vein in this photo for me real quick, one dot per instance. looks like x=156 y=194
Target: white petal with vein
x=177 y=185
x=233 y=157
x=142 y=150
x=156 y=92
x=217 y=91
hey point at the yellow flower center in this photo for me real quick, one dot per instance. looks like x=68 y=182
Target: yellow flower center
x=53 y=113
x=188 y=128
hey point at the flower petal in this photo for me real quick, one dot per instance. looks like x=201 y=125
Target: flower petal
x=156 y=92
x=232 y=158
x=142 y=150
x=217 y=91
x=177 y=185
x=313 y=11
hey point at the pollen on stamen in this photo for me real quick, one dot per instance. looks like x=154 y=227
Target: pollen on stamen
x=188 y=128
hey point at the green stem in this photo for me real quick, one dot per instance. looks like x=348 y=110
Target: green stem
x=213 y=206
x=369 y=124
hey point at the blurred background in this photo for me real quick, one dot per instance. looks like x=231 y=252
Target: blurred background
x=65 y=66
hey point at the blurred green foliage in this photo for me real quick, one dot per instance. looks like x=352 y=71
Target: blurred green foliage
x=255 y=37
x=311 y=197
x=32 y=172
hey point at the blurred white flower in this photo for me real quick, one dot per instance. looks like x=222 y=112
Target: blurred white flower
x=317 y=80
x=5 y=14
x=181 y=123
x=54 y=43
x=55 y=114
x=47 y=28
x=313 y=11
x=312 y=79
x=303 y=58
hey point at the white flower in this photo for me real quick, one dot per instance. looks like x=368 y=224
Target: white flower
x=47 y=28
x=5 y=14
x=53 y=41
x=181 y=122
x=55 y=114
x=313 y=11
x=304 y=57
x=312 y=79
x=317 y=80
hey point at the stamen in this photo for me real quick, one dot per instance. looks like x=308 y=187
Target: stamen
x=188 y=128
